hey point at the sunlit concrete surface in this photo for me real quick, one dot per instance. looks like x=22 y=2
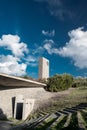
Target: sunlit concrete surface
x=11 y=87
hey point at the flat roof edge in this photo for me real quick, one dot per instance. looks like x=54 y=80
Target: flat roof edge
x=22 y=79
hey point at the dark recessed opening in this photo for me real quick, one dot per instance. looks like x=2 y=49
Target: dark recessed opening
x=19 y=111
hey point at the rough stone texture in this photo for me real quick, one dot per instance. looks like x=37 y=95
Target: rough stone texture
x=6 y=95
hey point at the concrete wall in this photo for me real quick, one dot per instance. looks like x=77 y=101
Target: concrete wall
x=43 y=68
x=27 y=107
x=7 y=97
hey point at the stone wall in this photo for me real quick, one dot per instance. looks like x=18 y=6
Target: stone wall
x=7 y=96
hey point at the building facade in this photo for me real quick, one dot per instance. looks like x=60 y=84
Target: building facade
x=19 y=97
x=43 y=68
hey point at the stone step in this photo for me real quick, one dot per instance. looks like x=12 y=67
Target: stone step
x=71 y=122
x=68 y=120
x=64 y=112
x=70 y=110
x=45 y=124
x=52 y=116
x=81 y=122
x=32 y=121
x=28 y=123
x=44 y=113
x=34 y=124
x=52 y=120
x=52 y=124
x=84 y=116
x=58 y=120
x=59 y=113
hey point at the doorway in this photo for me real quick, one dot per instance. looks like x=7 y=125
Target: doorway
x=19 y=111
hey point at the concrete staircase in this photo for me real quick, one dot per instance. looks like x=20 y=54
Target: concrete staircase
x=74 y=118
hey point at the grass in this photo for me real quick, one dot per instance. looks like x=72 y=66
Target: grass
x=60 y=124
x=84 y=115
x=75 y=97
x=73 y=123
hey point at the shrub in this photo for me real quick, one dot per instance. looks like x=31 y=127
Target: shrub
x=59 y=82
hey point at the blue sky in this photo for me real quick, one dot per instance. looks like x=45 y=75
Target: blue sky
x=55 y=29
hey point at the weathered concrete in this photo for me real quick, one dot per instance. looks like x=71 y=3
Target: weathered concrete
x=6 y=97
x=27 y=107
x=7 y=81
x=11 y=87
x=22 y=107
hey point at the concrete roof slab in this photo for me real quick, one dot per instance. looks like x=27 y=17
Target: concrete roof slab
x=13 y=81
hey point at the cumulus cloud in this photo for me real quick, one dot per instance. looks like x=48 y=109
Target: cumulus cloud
x=12 y=42
x=11 y=63
x=48 y=33
x=76 y=48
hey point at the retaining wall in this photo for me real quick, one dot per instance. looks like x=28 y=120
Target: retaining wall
x=7 y=95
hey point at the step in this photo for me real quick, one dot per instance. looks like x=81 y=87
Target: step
x=59 y=113
x=81 y=122
x=64 y=112
x=52 y=124
x=38 y=122
x=58 y=120
x=52 y=116
x=68 y=120
x=70 y=110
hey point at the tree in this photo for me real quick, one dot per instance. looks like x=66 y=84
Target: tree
x=79 y=82
x=59 y=82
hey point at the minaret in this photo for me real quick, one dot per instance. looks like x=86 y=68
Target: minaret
x=43 y=68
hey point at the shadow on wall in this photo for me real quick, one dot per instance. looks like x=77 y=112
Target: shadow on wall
x=2 y=88
x=13 y=106
x=2 y=115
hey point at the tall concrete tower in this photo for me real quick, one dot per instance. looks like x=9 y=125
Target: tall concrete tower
x=43 y=68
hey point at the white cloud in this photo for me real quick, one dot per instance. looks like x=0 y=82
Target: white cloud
x=76 y=48
x=48 y=45
x=12 y=42
x=48 y=48
x=48 y=33
x=31 y=60
x=9 y=65
x=41 y=49
x=38 y=50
